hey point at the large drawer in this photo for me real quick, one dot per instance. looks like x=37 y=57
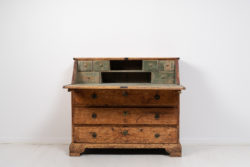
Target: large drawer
x=123 y=98
x=164 y=116
x=108 y=134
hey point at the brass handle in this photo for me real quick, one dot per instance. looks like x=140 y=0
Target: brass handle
x=125 y=93
x=157 y=97
x=157 y=116
x=94 y=115
x=125 y=133
x=94 y=135
x=157 y=135
x=94 y=96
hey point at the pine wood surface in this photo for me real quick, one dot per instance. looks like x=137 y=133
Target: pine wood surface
x=128 y=135
x=127 y=85
x=125 y=116
x=119 y=98
x=174 y=150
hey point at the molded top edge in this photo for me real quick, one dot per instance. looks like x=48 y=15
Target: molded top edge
x=126 y=58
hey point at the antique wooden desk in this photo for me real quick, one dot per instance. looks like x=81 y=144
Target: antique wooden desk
x=125 y=103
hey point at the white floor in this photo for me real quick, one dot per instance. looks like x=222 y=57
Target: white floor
x=28 y=155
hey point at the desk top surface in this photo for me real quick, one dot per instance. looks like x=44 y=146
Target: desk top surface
x=137 y=86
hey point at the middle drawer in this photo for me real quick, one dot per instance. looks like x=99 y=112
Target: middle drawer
x=163 y=116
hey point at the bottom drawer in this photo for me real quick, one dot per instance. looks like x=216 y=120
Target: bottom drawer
x=109 y=134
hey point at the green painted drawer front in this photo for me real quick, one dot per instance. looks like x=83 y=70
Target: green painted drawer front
x=167 y=65
x=84 y=66
x=88 y=77
x=101 y=65
x=163 y=77
x=150 y=65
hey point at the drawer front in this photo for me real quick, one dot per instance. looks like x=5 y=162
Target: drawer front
x=163 y=77
x=88 y=77
x=101 y=65
x=84 y=66
x=152 y=116
x=150 y=65
x=167 y=65
x=105 y=134
x=125 y=98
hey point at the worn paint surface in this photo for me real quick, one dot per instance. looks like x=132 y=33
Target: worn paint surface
x=84 y=66
x=150 y=65
x=167 y=65
x=88 y=77
x=101 y=65
x=163 y=71
x=163 y=77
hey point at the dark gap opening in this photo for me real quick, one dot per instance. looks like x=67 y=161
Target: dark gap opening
x=125 y=151
x=126 y=64
x=126 y=77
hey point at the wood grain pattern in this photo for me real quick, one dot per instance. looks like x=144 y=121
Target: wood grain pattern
x=125 y=116
x=123 y=98
x=115 y=134
x=174 y=150
x=127 y=85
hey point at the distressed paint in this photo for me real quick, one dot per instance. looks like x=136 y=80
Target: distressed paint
x=101 y=65
x=150 y=65
x=163 y=77
x=88 y=77
x=84 y=66
x=167 y=65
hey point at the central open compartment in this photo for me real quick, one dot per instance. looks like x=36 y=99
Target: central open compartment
x=126 y=77
x=126 y=64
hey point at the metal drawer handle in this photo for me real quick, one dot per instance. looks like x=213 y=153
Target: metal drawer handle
x=125 y=133
x=157 y=97
x=94 y=115
x=94 y=135
x=94 y=96
x=157 y=135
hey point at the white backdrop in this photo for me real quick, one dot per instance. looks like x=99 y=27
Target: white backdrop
x=38 y=40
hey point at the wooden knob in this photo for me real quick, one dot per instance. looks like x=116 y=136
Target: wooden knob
x=94 y=115
x=157 y=135
x=94 y=135
x=125 y=93
x=157 y=97
x=94 y=96
x=157 y=116
x=125 y=133
x=125 y=113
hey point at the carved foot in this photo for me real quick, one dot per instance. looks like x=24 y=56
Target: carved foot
x=75 y=149
x=174 y=150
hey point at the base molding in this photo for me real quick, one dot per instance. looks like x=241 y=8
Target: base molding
x=174 y=150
